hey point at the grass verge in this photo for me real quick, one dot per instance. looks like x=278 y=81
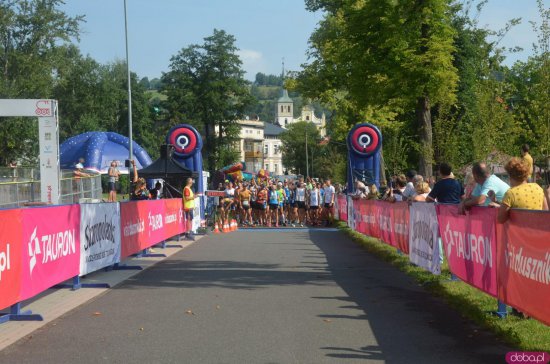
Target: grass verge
x=523 y=334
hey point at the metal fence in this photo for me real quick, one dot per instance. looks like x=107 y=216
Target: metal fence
x=21 y=186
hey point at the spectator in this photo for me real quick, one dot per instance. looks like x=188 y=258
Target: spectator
x=12 y=164
x=155 y=192
x=447 y=189
x=469 y=185
x=113 y=173
x=140 y=191
x=360 y=190
x=373 y=192
x=485 y=182
x=396 y=194
x=528 y=160
x=422 y=190
x=521 y=195
x=79 y=171
x=409 y=191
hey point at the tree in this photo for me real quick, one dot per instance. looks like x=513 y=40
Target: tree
x=145 y=83
x=205 y=87
x=33 y=38
x=377 y=54
x=294 y=146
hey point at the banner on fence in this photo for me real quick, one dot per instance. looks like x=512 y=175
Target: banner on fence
x=524 y=263
x=351 y=213
x=99 y=236
x=10 y=257
x=51 y=247
x=370 y=219
x=342 y=207
x=174 y=219
x=384 y=212
x=423 y=237
x=469 y=242
x=142 y=224
x=196 y=223
x=401 y=218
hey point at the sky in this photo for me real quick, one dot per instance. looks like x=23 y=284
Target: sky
x=266 y=31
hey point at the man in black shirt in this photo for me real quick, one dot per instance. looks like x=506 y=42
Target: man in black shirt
x=447 y=189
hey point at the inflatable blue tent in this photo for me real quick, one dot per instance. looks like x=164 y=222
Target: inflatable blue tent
x=99 y=149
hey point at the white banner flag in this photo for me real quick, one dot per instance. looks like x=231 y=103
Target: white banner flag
x=196 y=224
x=99 y=236
x=351 y=213
x=424 y=237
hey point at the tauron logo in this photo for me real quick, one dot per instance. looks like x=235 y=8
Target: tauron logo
x=34 y=250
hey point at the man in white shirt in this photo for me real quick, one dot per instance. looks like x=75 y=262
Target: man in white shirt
x=409 y=191
x=330 y=194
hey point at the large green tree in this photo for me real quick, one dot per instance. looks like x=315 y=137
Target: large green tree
x=205 y=87
x=380 y=53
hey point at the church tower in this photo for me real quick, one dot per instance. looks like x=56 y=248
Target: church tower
x=285 y=106
x=285 y=110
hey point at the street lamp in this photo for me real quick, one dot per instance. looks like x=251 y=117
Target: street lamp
x=131 y=147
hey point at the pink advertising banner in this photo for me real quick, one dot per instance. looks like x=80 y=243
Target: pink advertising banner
x=385 y=222
x=342 y=207
x=400 y=229
x=469 y=242
x=370 y=218
x=174 y=220
x=51 y=247
x=142 y=225
x=10 y=257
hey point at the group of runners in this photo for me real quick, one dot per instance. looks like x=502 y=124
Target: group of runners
x=273 y=203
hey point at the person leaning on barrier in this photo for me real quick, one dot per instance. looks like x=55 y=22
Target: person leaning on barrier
x=360 y=191
x=447 y=189
x=485 y=182
x=522 y=194
x=396 y=194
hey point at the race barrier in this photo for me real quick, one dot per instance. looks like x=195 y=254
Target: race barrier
x=41 y=247
x=510 y=261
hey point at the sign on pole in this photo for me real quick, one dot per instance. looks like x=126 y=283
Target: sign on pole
x=48 y=139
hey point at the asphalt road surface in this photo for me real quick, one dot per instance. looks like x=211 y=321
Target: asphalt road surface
x=279 y=296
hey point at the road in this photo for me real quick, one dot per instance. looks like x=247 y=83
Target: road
x=278 y=296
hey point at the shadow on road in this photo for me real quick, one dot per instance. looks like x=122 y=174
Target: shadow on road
x=227 y=274
x=408 y=322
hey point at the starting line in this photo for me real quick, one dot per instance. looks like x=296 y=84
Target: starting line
x=287 y=229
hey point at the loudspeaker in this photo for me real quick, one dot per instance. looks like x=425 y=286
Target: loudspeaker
x=166 y=151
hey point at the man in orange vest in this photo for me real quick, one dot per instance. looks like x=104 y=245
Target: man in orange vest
x=188 y=205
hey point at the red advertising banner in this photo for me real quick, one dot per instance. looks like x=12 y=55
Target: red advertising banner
x=51 y=247
x=342 y=207
x=142 y=225
x=385 y=221
x=174 y=219
x=10 y=257
x=469 y=242
x=400 y=220
x=370 y=218
x=524 y=263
